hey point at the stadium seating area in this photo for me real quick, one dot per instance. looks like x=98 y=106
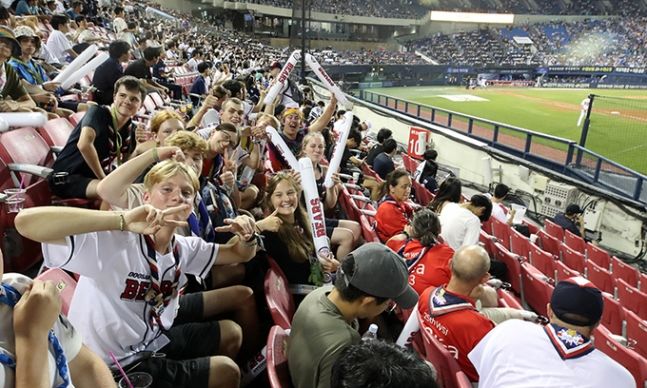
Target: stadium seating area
x=412 y=9
x=534 y=266
x=611 y=42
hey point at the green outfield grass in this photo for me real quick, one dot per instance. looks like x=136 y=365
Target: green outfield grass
x=550 y=111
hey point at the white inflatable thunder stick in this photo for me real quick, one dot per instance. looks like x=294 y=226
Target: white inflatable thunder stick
x=84 y=70
x=342 y=128
x=77 y=63
x=283 y=148
x=282 y=77
x=315 y=209
x=328 y=82
x=411 y=327
x=27 y=119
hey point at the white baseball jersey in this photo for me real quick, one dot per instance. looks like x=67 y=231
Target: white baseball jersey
x=108 y=306
x=69 y=338
x=520 y=354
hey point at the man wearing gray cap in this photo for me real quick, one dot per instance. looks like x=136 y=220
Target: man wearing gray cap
x=561 y=354
x=326 y=322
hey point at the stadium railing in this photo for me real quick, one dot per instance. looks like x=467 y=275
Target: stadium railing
x=556 y=153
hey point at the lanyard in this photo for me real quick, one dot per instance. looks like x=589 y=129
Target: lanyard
x=155 y=296
x=10 y=296
x=113 y=113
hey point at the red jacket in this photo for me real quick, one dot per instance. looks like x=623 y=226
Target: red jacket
x=455 y=323
x=428 y=267
x=392 y=216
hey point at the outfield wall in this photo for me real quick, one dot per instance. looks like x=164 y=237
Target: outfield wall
x=621 y=230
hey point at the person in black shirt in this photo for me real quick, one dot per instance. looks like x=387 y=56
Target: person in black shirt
x=110 y=71
x=383 y=163
x=571 y=220
x=377 y=149
x=104 y=136
x=142 y=69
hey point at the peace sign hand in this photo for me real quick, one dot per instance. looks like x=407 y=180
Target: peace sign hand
x=146 y=219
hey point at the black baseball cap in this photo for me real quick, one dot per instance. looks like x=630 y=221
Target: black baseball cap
x=578 y=296
x=382 y=273
x=574 y=209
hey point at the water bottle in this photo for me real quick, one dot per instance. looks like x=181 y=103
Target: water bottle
x=371 y=333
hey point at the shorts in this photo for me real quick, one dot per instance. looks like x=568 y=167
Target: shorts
x=331 y=224
x=69 y=186
x=187 y=355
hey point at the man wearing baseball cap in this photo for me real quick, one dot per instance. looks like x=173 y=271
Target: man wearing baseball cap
x=561 y=354
x=325 y=323
x=571 y=219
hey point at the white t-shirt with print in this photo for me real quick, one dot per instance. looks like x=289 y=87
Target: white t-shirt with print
x=519 y=354
x=108 y=307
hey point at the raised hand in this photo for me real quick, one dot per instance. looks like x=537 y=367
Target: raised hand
x=146 y=219
x=271 y=223
x=242 y=226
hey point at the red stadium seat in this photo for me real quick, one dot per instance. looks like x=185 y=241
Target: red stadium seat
x=20 y=253
x=507 y=299
x=462 y=381
x=56 y=132
x=626 y=272
x=537 y=288
x=423 y=195
x=436 y=353
x=501 y=231
x=574 y=242
x=636 y=332
x=632 y=298
x=488 y=242
x=277 y=360
x=65 y=284
x=542 y=260
x=563 y=272
x=25 y=146
x=598 y=255
x=76 y=117
x=519 y=244
x=642 y=284
x=549 y=243
x=513 y=264
x=368 y=231
x=600 y=277
x=573 y=259
x=554 y=230
x=613 y=314
x=277 y=295
x=628 y=358
x=487 y=225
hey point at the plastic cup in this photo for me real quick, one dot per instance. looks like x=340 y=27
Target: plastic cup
x=137 y=380
x=15 y=200
x=356 y=177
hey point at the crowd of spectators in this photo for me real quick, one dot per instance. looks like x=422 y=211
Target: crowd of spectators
x=606 y=42
x=413 y=9
x=198 y=204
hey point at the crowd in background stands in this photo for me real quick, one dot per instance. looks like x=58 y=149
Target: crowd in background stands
x=608 y=42
x=406 y=9
x=414 y=9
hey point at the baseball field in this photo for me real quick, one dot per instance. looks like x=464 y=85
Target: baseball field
x=619 y=122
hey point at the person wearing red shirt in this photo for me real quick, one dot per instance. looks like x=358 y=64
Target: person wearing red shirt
x=426 y=255
x=394 y=212
x=450 y=315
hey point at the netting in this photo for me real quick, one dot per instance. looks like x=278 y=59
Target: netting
x=618 y=130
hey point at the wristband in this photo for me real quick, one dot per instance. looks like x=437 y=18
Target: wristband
x=156 y=156
x=122 y=222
